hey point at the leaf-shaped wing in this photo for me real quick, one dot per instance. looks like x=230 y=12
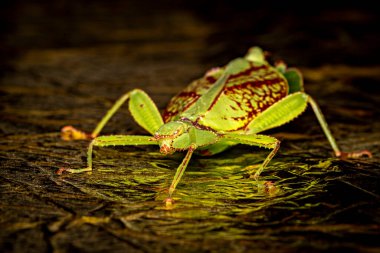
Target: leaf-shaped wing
x=245 y=95
x=186 y=98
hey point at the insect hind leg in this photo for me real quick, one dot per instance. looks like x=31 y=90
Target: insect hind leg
x=330 y=137
x=141 y=106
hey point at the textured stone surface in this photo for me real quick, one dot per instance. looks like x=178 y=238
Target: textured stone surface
x=67 y=62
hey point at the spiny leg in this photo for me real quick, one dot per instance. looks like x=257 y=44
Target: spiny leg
x=112 y=140
x=295 y=82
x=256 y=140
x=279 y=113
x=289 y=108
x=141 y=106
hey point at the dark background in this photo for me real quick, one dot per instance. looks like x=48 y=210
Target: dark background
x=66 y=62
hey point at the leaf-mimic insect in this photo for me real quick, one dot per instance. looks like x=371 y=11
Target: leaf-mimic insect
x=227 y=106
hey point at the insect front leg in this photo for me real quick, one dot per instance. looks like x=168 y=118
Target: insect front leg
x=179 y=173
x=112 y=140
x=141 y=106
x=256 y=140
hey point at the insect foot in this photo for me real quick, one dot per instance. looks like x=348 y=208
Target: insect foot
x=354 y=155
x=63 y=169
x=69 y=133
x=268 y=188
x=169 y=202
x=60 y=171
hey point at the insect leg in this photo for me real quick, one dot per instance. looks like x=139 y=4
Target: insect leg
x=141 y=106
x=279 y=113
x=144 y=111
x=289 y=108
x=295 y=80
x=256 y=140
x=330 y=137
x=180 y=170
x=112 y=140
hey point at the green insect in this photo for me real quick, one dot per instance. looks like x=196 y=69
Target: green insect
x=227 y=106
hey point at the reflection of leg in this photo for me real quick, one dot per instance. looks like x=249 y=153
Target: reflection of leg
x=256 y=140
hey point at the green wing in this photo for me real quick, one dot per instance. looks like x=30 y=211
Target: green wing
x=295 y=80
x=245 y=95
x=230 y=98
x=186 y=98
x=197 y=98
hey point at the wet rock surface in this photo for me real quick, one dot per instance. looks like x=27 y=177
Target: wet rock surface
x=65 y=63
